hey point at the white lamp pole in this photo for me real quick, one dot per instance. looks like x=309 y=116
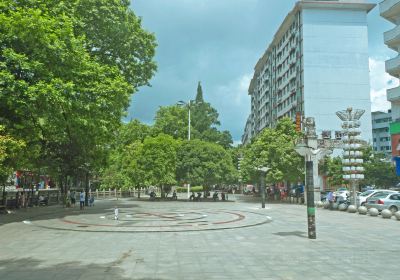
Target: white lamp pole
x=189 y=123
x=182 y=103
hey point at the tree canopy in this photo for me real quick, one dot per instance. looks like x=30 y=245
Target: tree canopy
x=205 y=163
x=273 y=148
x=67 y=71
x=173 y=120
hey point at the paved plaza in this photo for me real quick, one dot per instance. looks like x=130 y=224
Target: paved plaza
x=195 y=240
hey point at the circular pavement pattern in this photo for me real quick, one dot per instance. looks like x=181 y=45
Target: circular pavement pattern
x=131 y=220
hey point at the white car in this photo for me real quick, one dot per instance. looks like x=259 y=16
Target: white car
x=341 y=195
x=362 y=198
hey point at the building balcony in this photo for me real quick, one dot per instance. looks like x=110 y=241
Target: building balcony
x=390 y=10
x=393 y=66
x=392 y=38
x=393 y=94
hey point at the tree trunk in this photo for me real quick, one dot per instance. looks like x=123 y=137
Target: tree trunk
x=86 y=188
x=162 y=191
x=4 y=195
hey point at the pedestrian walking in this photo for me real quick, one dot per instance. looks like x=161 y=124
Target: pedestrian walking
x=91 y=200
x=82 y=200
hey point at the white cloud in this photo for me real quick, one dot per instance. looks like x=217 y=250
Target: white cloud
x=235 y=92
x=380 y=82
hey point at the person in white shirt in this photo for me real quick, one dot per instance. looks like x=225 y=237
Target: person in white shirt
x=82 y=200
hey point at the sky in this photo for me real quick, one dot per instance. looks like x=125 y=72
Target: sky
x=218 y=42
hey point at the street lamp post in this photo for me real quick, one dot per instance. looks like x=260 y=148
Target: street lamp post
x=183 y=103
x=304 y=150
x=308 y=148
x=263 y=172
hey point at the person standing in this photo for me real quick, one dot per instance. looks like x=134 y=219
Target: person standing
x=72 y=198
x=82 y=200
x=330 y=199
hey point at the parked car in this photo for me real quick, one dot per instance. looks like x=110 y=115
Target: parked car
x=341 y=194
x=362 y=198
x=367 y=188
x=384 y=200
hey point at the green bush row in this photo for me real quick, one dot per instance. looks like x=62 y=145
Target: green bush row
x=192 y=189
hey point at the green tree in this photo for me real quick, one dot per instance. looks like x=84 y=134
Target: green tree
x=9 y=154
x=273 y=148
x=131 y=132
x=121 y=169
x=10 y=149
x=332 y=168
x=158 y=160
x=173 y=121
x=66 y=81
x=204 y=163
x=114 y=35
x=379 y=171
x=199 y=95
x=223 y=138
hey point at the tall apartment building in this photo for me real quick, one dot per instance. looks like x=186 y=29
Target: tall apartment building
x=380 y=132
x=390 y=10
x=317 y=64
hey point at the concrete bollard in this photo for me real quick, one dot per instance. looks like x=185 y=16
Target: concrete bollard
x=386 y=214
x=342 y=207
x=326 y=204
x=362 y=210
x=335 y=206
x=352 y=209
x=397 y=215
x=319 y=204
x=373 y=212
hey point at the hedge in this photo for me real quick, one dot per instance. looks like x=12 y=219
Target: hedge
x=192 y=189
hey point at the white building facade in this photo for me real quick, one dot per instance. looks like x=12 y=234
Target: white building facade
x=381 y=140
x=316 y=65
x=390 y=10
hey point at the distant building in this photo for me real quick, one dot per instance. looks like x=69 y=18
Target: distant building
x=317 y=64
x=390 y=10
x=380 y=132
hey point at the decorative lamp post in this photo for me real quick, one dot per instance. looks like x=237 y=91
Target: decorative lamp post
x=188 y=104
x=312 y=152
x=304 y=150
x=352 y=144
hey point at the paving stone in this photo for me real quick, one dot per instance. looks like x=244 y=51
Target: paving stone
x=249 y=246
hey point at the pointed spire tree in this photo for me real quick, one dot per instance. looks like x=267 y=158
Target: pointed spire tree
x=199 y=95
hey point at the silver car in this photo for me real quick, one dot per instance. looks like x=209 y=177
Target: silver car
x=362 y=197
x=384 y=200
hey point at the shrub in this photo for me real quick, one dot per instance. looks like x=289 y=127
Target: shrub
x=192 y=189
